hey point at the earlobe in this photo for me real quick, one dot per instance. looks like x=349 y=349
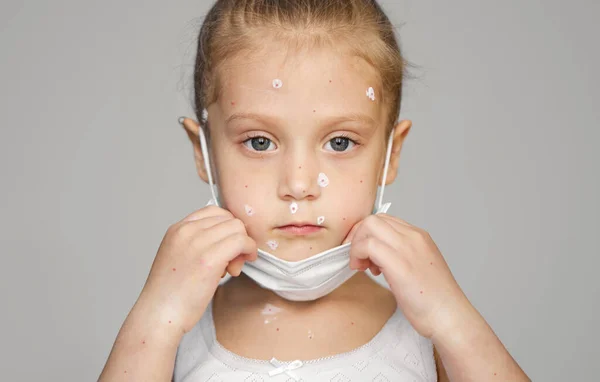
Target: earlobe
x=400 y=132
x=192 y=128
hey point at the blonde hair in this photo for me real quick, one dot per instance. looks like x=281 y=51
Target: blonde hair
x=235 y=26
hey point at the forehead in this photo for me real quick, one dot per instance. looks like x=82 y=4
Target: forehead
x=327 y=80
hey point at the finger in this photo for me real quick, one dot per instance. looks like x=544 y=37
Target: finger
x=375 y=226
x=224 y=251
x=205 y=212
x=235 y=266
x=375 y=271
x=377 y=251
x=207 y=222
x=396 y=222
x=218 y=232
x=359 y=264
x=406 y=230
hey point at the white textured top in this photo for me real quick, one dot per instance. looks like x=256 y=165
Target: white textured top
x=397 y=353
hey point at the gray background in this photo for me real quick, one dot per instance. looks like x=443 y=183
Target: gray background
x=501 y=167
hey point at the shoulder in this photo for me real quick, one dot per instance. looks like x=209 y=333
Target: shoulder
x=193 y=348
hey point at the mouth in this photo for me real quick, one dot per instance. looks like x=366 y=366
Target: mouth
x=300 y=229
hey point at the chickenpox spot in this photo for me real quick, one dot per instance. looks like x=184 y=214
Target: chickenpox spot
x=277 y=83
x=246 y=186
x=249 y=210
x=143 y=342
x=352 y=323
x=125 y=372
x=314 y=111
x=294 y=207
x=329 y=81
x=232 y=103
x=323 y=180
x=277 y=329
x=310 y=247
x=421 y=292
x=344 y=218
x=299 y=167
x=361 y=181
x=272 y=244
x=169 y=321
x=304 y=191
x=431 y=263
x=270 y=309
x=371 y=94
x=174 y=269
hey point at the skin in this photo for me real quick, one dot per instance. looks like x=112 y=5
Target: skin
x=297 y=121
x=323 y=93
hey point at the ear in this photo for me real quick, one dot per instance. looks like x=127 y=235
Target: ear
x=192 y=128
x=400 y=132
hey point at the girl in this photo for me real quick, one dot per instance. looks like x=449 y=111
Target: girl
x=298 y=104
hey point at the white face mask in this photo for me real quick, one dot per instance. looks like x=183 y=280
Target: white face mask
x=307 y=279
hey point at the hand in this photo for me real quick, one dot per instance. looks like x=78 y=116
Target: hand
x=413 y=266
x=193 y=256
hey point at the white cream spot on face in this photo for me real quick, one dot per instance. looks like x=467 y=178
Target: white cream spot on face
x=323 y=180
x=310 y=335
x=371 y=94
x=273 y=244
x=294 y=207
x=277 y=83
x=249 y=210
x=320 y=220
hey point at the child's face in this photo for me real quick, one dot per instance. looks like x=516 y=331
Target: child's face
x=272 y=147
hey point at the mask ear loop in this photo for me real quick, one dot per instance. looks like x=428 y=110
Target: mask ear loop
x=204 y=148
x=385 y=169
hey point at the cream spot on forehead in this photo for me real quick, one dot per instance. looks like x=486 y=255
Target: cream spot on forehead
x=251 y=82
x=371 y=94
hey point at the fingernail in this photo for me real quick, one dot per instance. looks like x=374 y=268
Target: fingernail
x=181 y=119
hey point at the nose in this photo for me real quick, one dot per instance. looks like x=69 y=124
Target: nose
x=299 y=175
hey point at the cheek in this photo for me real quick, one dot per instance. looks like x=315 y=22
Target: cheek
x=352 y=199
x=248 y=199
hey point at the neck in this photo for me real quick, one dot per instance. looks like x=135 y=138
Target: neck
x=244 y=291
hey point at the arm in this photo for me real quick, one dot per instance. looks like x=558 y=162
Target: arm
x=471 y=351
x=145 y=348
x=439 y=367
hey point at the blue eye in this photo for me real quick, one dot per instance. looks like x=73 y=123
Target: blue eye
x=259 y=143
x=340 y=144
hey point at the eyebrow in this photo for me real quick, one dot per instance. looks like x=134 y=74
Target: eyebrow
x=332 y=121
